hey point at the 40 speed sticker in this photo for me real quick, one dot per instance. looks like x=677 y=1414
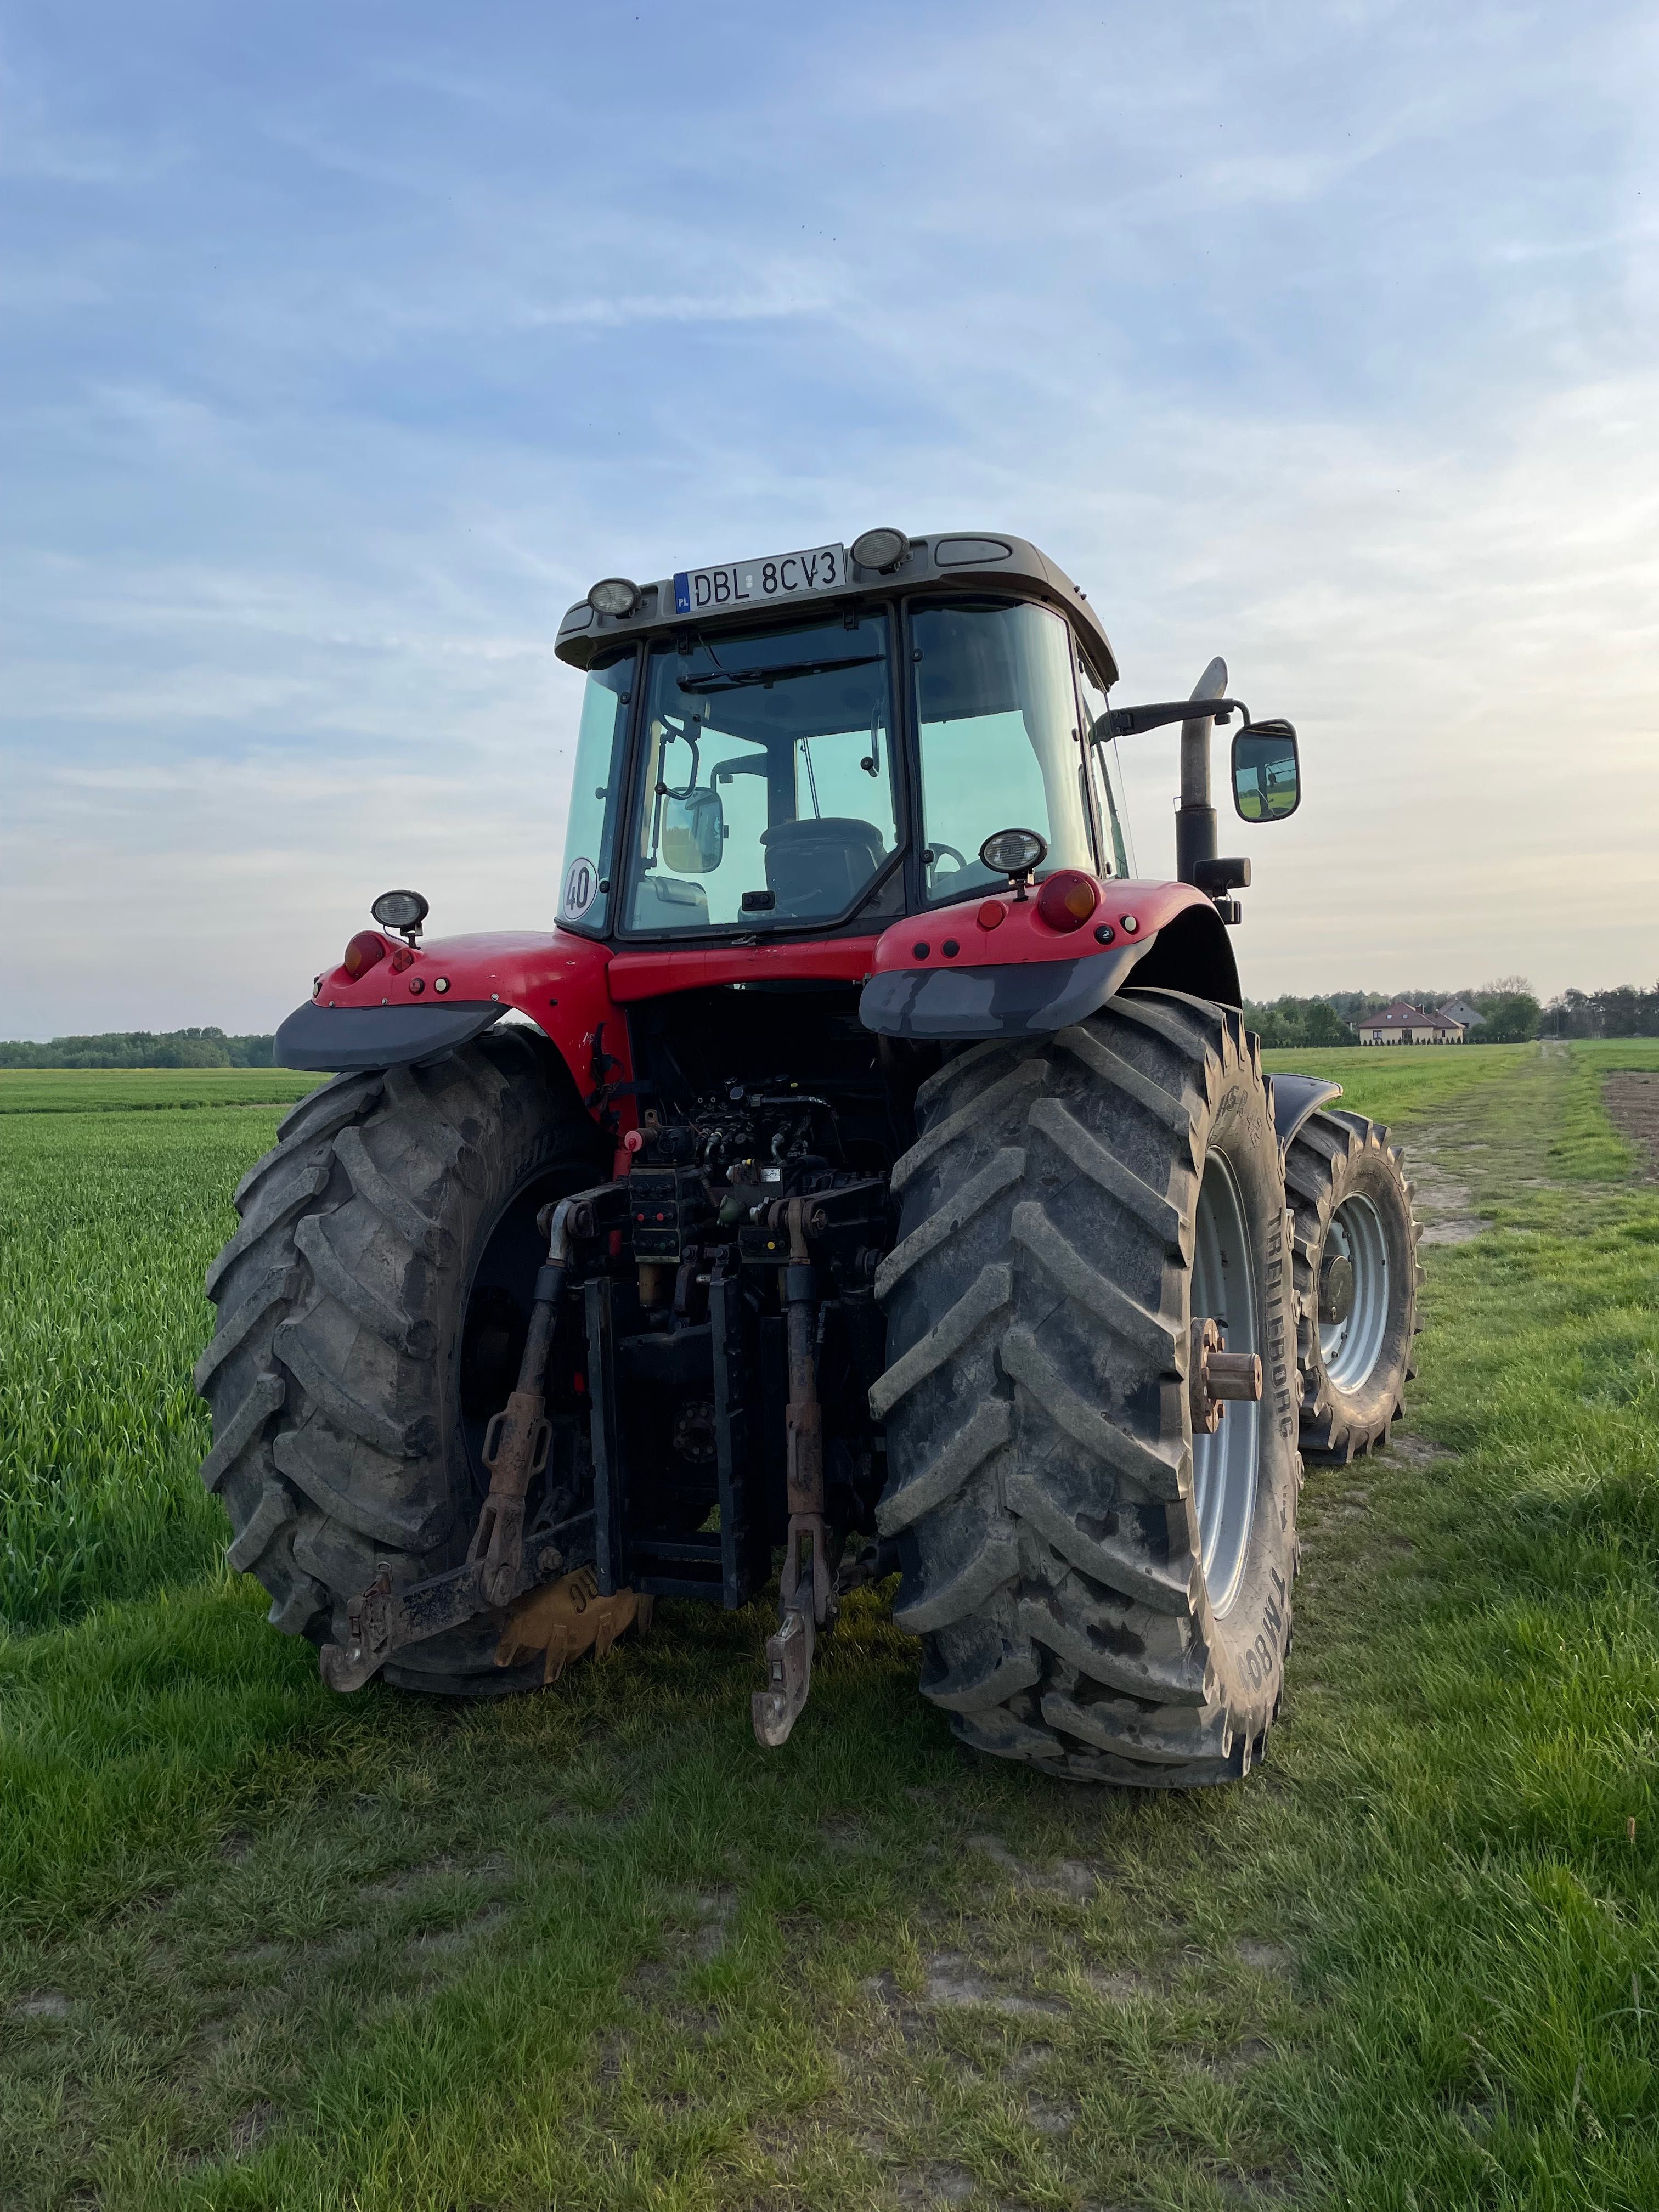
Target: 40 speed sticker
x=582 y=887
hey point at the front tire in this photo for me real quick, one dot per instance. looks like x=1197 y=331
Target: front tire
x=1357 y=1278
x=367 y=1313
x=1093 y=1595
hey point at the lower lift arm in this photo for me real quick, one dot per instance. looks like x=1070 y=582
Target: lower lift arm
x=807 y=1590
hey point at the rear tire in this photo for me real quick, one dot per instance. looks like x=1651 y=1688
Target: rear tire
x=1353 y=1208
x=342 y=1371
x=1092 y=1595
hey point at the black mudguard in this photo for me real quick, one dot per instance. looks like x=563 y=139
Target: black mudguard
x=1031 y=1000
x=343 y=1038
x=1294 y=1098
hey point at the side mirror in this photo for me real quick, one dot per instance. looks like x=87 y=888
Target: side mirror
x=1266 y=773
x=693 y=832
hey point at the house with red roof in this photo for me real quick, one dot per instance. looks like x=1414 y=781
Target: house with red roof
x=1405 y=1024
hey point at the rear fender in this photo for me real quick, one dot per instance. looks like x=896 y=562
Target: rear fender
x=944 y=975
x=1293 y=1099
x=417 y=1003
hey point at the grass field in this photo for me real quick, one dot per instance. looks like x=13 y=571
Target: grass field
x=1404 y=1083
x=262 y=1947
x=132 y=1089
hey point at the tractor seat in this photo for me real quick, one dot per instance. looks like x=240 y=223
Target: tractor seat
x=668 y=902
x=820 y=865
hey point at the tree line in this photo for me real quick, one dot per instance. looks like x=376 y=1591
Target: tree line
x=1509 y=1008
x=200 y=1048
x=1512 y=1011
x=1513 y=1014
x=1626 y=1011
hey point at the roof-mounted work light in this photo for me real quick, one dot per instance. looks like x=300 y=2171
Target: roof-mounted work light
x=880 y=550
x=614 y=595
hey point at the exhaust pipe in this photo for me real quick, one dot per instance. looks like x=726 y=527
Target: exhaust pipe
x=1195 y=829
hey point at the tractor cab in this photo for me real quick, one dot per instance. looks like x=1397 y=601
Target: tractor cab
x=821 y=742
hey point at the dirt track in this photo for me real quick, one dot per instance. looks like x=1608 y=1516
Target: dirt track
x=1633 y=1106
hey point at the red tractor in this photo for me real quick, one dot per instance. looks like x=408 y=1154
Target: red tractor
x=870 y=1171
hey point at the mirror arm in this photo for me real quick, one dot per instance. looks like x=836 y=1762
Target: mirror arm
x=1131 y=722
x=1196 y=847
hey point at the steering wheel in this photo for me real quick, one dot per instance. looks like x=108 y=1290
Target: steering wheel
x=935 y=848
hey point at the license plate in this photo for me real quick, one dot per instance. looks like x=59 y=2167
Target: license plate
x=742 y=583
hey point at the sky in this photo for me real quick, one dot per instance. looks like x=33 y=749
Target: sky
x=343 y=347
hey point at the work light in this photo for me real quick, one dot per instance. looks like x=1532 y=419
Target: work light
x=403 y=911
x=880 y=549
x=1013 y=852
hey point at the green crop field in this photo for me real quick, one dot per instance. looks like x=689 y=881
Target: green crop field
x=130 y=1090
x=262 y=1947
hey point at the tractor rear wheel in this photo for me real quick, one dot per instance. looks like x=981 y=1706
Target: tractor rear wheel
x=1357 y=1277
x=1098 y=1590
x=372 y=1313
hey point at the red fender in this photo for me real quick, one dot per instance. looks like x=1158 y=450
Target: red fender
x=995 y=966
x=556 y=979
x=453 y=989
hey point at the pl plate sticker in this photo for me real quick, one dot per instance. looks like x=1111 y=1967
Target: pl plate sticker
x=581 y=883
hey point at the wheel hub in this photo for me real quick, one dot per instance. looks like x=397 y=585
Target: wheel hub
x=1215 y=1375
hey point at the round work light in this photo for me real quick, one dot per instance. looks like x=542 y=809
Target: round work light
x=880 y=549
x=614 y=595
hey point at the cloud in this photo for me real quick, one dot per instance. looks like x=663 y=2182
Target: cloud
x=1320 y=337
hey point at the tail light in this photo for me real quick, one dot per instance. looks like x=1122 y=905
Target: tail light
x=361 y=954
x=1067 y=899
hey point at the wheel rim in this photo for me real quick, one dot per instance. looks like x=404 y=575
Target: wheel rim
x=1352 y=1346
x=1224 y=1463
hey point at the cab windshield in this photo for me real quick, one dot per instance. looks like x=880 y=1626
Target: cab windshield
x=766 y=793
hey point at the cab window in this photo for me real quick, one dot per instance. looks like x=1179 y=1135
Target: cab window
x=588 y=839
x=996 y=716
x=1105 y=772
